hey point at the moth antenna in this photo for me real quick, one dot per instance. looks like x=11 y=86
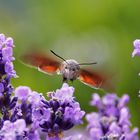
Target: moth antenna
x=58 y=56
x=88 y=63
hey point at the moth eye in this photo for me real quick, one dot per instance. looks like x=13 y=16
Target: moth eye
x=66 y=67
x=73 y=69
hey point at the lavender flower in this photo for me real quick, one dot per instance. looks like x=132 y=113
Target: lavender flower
x=54 y=116
x=10 y=127
x=7 y=103
x=28 y=102
x=60 y=113
x=136 y=51
x=12 y=112
x=112 y=120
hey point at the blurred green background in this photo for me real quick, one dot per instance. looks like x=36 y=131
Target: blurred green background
x=85 y=30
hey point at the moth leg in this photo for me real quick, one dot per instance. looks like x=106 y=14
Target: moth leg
x=72 y=80
x=65 y=80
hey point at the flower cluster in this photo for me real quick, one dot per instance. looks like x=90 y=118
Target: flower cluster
x=7 y=103
x=60 y=113
x=11 y=112
x=54 y=116
x=112 y=119
x=27 y=101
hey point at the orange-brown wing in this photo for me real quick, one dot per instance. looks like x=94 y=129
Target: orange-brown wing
x=91 y=78
x=41 y=61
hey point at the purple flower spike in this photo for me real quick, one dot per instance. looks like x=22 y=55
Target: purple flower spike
x=112 y=120
x=28 y=106
x=64 y=112
x=16 y=121
x=28 y=109
x=7 y=103
x=136 y=51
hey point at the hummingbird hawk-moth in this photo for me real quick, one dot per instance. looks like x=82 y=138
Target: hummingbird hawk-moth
x=69 y=69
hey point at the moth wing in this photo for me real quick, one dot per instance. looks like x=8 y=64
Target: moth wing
x=41 y=61
x=93 y=79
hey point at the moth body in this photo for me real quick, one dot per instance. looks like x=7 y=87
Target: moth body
x=70 y=70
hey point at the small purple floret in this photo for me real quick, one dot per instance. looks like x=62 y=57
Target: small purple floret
x=22 y=92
